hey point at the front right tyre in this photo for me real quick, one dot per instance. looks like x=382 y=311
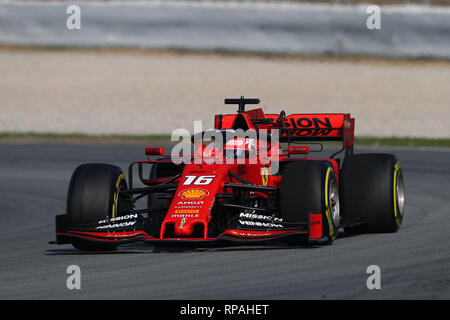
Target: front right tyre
x=93 y=195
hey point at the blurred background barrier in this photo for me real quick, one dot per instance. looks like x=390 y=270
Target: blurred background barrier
x=142 y=92
x=411 y=31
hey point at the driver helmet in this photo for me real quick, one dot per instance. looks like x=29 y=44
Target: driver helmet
x=239 y=148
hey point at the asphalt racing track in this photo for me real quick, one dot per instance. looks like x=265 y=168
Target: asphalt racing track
x=415 y=262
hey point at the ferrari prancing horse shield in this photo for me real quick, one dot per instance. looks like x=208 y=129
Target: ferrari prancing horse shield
x=265 y=176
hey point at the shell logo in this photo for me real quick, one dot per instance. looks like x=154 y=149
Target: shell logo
x=193 y=193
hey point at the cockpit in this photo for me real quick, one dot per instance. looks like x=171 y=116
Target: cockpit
x=233 y=144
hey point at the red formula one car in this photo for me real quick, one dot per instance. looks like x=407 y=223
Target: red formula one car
x=258 y=185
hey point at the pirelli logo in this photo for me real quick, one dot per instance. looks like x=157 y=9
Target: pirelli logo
x=186 y=211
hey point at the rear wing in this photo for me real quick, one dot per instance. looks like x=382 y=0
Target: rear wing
x=294 y=127
x=318 y=126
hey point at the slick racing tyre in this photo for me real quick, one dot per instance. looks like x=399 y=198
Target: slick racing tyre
x=311 y=187
x=373 y=190
x=94 y=194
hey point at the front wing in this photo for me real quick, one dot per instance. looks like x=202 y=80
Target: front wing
x=134 y=228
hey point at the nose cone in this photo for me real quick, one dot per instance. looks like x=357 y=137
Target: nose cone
x=190 y=209
x=183 y=227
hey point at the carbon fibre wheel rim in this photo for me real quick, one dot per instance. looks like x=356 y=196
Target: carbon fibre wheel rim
x=334 y=203
x=400 y=192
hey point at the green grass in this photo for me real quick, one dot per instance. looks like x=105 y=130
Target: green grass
x=402 y=141
x=165 y=138
x=82 y=137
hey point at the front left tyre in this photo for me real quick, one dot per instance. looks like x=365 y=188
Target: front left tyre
x=311 y=187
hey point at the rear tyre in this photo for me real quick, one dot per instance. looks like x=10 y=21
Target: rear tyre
x=311 y=187
x=373 y=190
x=94 y=194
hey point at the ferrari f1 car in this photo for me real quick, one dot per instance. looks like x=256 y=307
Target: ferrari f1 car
x=282 y=194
